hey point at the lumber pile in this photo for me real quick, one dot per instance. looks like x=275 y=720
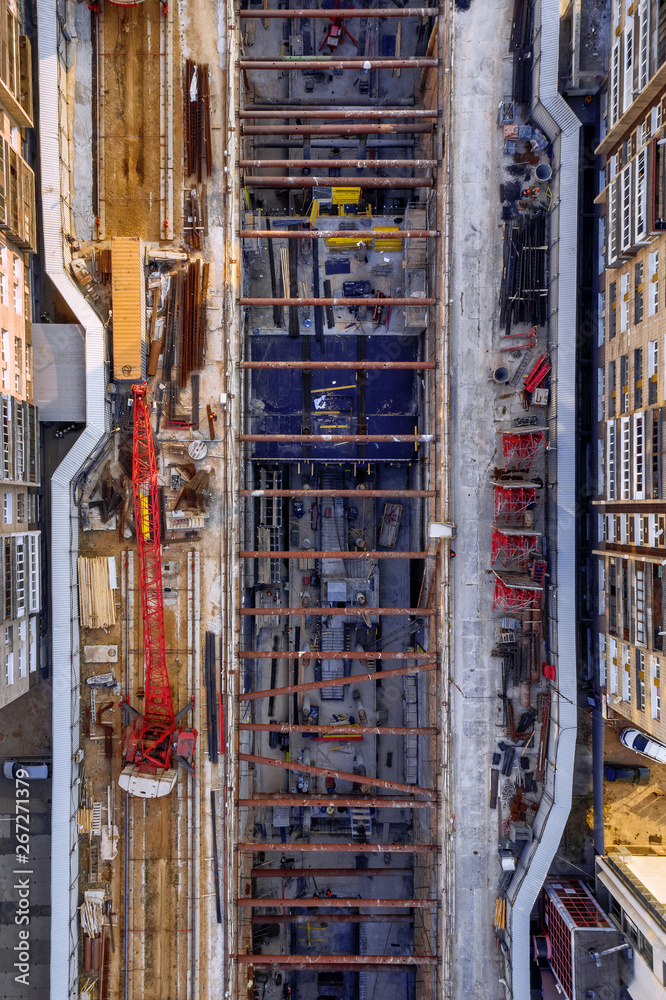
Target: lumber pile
x=91 y=911
x=97 y=606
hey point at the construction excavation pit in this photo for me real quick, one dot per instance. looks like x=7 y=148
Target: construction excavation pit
x=264 y=586
x=338 y=877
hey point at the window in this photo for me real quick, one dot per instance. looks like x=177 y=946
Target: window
x=612 y=223
x=640 y=606
x=32 y=645
x=7 y=517
x=20 y=507
x=615 y=85
x=611 y=473
x=613 y=666
x=611 y=388
x=655 y=698
x=16 y=266
x=638 y=939
x=638 y=377
x=18 y=364
x=612 y=316
x=34 y=572
x=653 y=368
x=643 y=45
x=641 y=197
x=640 y=680
x=624 y=303
x=655 y=119
x=640 y=135
x=638 y=293
x=626 y=208
x=9 y=654
x=625 y=596
x=626 y=673
x=624 y=383
x=627 y=95
x=22 y=649
x=20 y=453
x=653 y=291
x=639 y=456
x=624 y=528
x=5 y=359
x=602 y=658
x=601 y=393
x=653 y=417
x=19 y=579
x=611 y=489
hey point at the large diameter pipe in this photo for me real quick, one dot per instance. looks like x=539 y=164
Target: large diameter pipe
x=337 y=15
x=278 y=612
x=378 y=675
x=387 y=129
x=332 y=918
x=334 y=961
x=350 y=164
x=360 y=779
x=283 y=727
x=360 y=182
x=342 y=301
x=297 y=63
x=249 y=903
x=318 y=554
x=327 y=872
x=348 y=801
x=369 y=112
x=358 y=493
x=340 y=438
x=327 y=234
x=308 y=654
x=356 y=848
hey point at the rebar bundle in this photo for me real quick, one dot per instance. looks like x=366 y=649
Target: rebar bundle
x=524 y=290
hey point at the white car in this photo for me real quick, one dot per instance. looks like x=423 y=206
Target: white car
x=29 y=767
x=644 y=745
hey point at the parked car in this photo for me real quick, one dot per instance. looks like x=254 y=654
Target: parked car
x=35 y=767
x=643 y=744
x=627 y=772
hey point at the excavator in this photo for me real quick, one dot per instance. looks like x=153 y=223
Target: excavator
x=154 y=742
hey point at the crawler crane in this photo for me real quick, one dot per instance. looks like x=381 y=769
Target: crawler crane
x=153 y=742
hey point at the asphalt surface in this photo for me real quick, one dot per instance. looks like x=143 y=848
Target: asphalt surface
x=25 y=877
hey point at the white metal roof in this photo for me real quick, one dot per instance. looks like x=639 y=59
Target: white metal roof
x=64 y=535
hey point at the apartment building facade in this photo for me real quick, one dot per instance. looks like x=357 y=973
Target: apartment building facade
x=631 y=888
x=630 y=356
x=20 y=543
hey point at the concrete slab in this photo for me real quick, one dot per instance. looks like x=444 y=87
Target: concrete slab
x=481 y=77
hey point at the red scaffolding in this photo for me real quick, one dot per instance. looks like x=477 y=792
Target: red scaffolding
x=510 y=546
x=520 y=446
x=512 y=500
x=514 y=592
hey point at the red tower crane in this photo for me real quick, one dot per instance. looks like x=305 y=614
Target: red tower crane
x=153 y=743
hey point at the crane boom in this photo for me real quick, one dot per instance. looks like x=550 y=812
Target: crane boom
x=159 y=704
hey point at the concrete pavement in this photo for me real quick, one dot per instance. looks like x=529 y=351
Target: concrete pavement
x=482 y=76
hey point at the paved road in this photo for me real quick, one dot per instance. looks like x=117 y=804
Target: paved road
x=25 y=729
x=482 y=77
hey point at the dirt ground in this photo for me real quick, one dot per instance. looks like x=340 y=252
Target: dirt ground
x=633 y=814
x=130 y=121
